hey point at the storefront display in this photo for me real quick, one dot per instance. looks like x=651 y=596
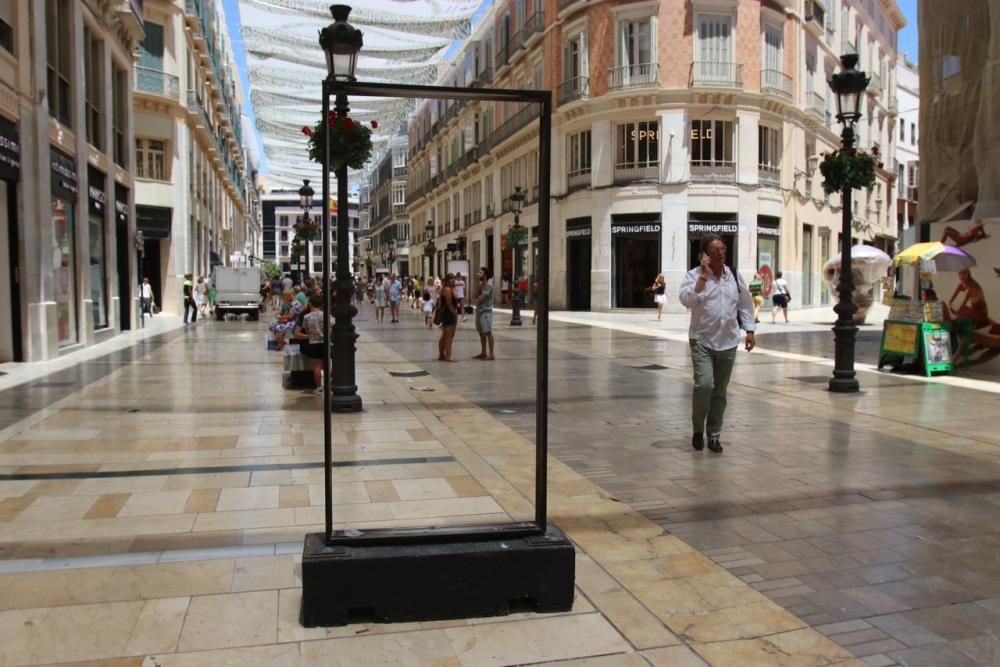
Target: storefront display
x=96 y=209
x=64 y=191
x=635 y=243
x=768 y=244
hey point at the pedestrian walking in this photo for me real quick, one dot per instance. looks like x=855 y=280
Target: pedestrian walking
x=276 y=289
x=449 y=318
x=484 y=314
x=756 y=287
x=189 y=304
x=659 y=290
x=460 y=294
x=781 y=297
x=395 y=291
x=505 y=279
x=201 y=295
x=381 y=298
x=146 y=296
x=720 y=306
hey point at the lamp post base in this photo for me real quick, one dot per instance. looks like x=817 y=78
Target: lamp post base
x=515 y=315
x=844 y=385
x=346 y=402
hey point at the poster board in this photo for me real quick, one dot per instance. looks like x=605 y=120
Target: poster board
x=936 y=343
x=899 y=338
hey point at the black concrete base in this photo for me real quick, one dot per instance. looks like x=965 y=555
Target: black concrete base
x=389 y=583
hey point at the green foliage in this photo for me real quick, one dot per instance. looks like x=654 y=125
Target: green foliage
x=853 y=168
x=272 y=270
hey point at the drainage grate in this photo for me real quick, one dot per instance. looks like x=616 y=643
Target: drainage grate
x=652 y=367
x=408 y=374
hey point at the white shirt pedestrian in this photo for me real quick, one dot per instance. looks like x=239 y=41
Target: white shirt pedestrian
x=713 y=311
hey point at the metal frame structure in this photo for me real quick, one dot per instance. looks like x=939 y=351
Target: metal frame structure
x=536 y=528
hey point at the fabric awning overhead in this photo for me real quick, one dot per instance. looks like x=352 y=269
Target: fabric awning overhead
x=404 y=43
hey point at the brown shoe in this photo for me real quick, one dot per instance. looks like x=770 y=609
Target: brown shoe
x=698 y=441
x=714 y=445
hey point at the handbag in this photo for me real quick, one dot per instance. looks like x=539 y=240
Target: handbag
x=788 y=297
x=437 y=311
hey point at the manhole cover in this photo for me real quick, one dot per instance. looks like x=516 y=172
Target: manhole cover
x=652 y=367
x=408 y=374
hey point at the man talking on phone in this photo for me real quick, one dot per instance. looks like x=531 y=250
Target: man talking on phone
x=720 y=305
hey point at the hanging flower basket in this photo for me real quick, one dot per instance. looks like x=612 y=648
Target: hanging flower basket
x=350 y=141
x=852 y=168
x=306 y=231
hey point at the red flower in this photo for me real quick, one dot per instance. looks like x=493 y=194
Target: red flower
x=874 y=150
x=349 y=124
x=374 y=124
x=306 y=130
x=880 y=165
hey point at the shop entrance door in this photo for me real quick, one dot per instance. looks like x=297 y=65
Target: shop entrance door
x=694 y=250
x=151 y=268
x=578 y=273
x=125 y=292
x=637 y=262
x=10 y=290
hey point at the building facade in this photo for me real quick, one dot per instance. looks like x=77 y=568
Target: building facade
x=191 y=189
x=671 y=119
x=907 y=144
x=388 y=222
x=280 y=211
x=66 y=189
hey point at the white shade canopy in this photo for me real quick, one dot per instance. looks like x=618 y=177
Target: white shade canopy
x=403 y=43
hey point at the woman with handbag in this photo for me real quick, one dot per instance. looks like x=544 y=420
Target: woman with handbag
x=781 y=297
x=659 y=290
x=447 y=314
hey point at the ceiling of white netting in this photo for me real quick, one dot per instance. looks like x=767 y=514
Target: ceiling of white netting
x=404 y=40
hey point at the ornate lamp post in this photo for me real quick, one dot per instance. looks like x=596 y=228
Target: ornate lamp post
x=849 y=85
x=140 y=249
x=514 y=238
x=305 y=201
x=341 y=43
x=429 y=247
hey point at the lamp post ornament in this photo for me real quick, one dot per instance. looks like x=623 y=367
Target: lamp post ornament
x=516 y=237
x=849 y=85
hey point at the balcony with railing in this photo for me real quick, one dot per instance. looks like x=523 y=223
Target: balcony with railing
x=816 y=105
x=485 y=77
x=769 y=175
x=155 y=82
x=577 y=88
x=503 y=55
x=515 y=123
x=776 y=84
x=578 y=179
x=847 y=46
x=713 y=171
x=636 y=172
x=535 y=25
x=874 y=85
x=195 y=105
x=644 y=75
x=710 y=74
x=815 y=17
x=515 y=44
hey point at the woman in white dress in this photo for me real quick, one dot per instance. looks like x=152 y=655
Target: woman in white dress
x=659 y=290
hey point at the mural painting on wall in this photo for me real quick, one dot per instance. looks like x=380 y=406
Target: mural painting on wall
x=971 y=297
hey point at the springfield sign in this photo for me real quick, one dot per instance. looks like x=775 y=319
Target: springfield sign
x=630 y=228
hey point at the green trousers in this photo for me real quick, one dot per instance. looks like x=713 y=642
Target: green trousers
x=711 y=379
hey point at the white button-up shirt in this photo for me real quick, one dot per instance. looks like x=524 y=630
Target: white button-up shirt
x=713 y=312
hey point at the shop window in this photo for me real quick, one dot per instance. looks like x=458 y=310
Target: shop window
x=93 y=65
x=712 y=142
x=58 y=40
x=638 y=144
x=7 y=26
x=65 y=270
x=150 y=158
x=119 y=114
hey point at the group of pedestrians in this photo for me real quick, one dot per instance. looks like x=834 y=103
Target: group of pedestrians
x=199 y=297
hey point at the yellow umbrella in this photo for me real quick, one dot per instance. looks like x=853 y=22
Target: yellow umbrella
x=945 y=257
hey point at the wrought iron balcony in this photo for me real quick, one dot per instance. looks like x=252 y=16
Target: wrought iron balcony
x=148 y=80
x=713 y=171
x=534 y=24
x=815 y=16
x=633 y=76
x=194 y=104
x=874 y=85
x=577 y=88
x=778 y=84
x=578 y=179
x=503 y=55
x=633 y=172
x=816 y=105
x=710 y=74
x=485 y=77
x=769 y=175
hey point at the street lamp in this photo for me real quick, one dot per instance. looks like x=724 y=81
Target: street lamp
x=305 y=201
x=341 y=42
x=514 y=239
x=429 y=247
x=140 y=249
x=849 y=85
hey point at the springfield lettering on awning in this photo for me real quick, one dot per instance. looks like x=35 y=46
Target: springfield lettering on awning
x=619 y=229
x=768 y=231
x=712 y=228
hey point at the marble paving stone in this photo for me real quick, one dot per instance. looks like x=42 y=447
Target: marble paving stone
x=56 y=508
x=674 y=656
x=160 y=502
x=538 y=640
x=293 y=496
x=202 y=500
x=60 y=634
x=10 y=508
x=209 y=622
x=242 y=519
x=276 y=655
x=381 y=491
x=252 y=574
x=423 y=489
x=250 y=498
x=406 y=649
x=158 y=626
